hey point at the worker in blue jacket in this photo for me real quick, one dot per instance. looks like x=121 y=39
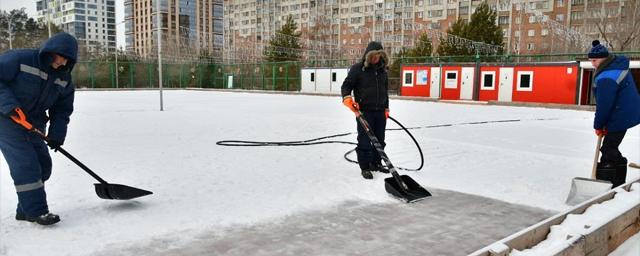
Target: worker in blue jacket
x=617 y=109
x=35 y=88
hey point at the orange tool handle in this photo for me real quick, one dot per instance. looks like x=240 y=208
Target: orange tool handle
x=21 y=119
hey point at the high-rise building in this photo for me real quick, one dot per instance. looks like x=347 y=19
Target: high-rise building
x=190 y=28
x=92 y=22
x=342 y=28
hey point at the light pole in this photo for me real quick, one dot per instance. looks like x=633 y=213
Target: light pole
x=117 y=67
x=46 y=6
x=158 y=25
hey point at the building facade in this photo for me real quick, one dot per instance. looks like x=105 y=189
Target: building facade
x=92 y=22
x=338 y=28
x=190 y=28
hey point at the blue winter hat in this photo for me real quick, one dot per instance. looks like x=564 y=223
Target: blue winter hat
x=598 y=51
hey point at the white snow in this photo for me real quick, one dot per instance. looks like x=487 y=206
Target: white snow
x=199 y=186
x=631 y=247
x=597 y=215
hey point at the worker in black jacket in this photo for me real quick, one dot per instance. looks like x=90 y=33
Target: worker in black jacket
x=369 y=83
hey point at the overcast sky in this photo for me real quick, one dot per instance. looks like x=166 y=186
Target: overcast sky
x=30 y=5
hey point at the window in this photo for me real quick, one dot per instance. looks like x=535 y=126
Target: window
x=488 y=80
x=408 y=78
x=503 y=20
x=451 y=79
x=531 y=32
x=421 y=77
x=525 y=81
x=531 y=46
x=544 y=32
x=334 y=77
x=313 y=76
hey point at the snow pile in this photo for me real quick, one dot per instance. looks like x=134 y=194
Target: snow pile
x=576 y=225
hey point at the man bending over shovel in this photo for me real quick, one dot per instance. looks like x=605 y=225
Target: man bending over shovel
x=35 y=87
x=617 y=109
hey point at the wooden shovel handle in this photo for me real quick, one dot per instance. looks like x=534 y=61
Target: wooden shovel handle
x=595 y=158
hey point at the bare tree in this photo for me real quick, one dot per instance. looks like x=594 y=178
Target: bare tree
x=618 y=24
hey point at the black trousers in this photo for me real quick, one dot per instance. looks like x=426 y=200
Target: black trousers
x=609 y=149
x=367 y=154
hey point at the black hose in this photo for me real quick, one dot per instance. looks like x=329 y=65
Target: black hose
x=316 y=141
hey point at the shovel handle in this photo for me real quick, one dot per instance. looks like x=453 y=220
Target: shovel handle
x=595 y=158
x=73 y=159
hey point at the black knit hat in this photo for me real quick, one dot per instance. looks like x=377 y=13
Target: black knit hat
x=598 y=51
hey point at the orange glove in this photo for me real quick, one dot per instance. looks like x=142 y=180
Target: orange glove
x=601 y=132
x=352 y=105
x=386 y=113
x=20 y=118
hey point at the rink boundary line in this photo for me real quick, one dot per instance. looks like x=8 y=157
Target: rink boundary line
x=601 y=241
x=395 y=97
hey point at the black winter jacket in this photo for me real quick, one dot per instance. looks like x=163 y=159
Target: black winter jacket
x=369 y=82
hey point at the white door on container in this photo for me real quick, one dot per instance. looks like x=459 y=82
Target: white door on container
x=434 y=90
x=505 y=86
x=466 y=85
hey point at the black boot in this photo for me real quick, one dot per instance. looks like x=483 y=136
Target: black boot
x=367 y=174
x=378 y=167
x=609 y=172
x=621 y=172
x=44 y=219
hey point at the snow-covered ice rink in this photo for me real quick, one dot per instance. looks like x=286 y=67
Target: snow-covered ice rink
x=489 y=180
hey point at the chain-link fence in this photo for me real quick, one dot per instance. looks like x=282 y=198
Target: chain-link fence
x=279 y=76
x=282 y=76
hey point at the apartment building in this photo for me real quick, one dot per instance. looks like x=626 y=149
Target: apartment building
x=92 y=22
x=190 y=28
x=339 y=28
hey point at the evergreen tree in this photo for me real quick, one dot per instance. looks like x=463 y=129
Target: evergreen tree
x=450 y=46
x=483 y=26
x=285 y=44
x=394 y=68
x=423 y=47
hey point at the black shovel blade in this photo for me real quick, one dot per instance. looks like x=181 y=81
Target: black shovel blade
x=414 y=192
x=119 y=192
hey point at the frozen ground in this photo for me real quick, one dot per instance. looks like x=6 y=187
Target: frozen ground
x=432 y=227
x=207 y=195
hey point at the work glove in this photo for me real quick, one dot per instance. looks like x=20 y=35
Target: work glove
x=386 y=113
x=54 y=144
x=601 y=132
x=20 y=118
x=352 y=105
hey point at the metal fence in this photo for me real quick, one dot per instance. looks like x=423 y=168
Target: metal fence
x=280 y=76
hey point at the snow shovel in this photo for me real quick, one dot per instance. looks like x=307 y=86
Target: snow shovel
x=104 y=190
x=583 y=189
x=400 y=186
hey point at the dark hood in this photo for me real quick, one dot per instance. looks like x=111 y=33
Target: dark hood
x=62 y=44
x=372 y=48
x=618 y=63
